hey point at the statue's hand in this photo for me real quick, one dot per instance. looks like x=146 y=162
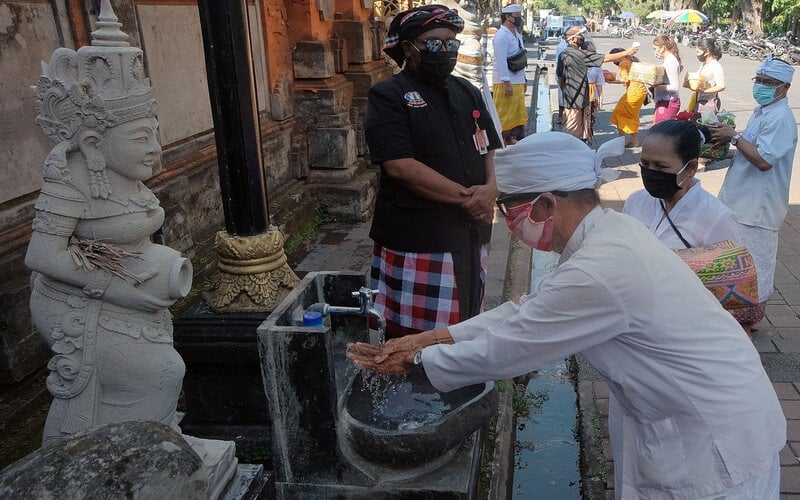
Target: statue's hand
x=126 y=294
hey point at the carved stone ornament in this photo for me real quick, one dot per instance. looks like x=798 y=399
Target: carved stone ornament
x=253 y=273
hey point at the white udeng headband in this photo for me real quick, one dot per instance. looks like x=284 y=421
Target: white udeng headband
x=538 y=164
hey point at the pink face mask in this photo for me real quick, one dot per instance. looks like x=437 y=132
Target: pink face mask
x=538 y=235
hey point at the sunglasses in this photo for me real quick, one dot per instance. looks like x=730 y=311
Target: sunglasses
x=436 y=44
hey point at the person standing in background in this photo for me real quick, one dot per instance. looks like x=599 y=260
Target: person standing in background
x=508 y=89
x=756 y=186
x=562 y=44
x=626 y=113
x=712 y=76
x=666 y=95
x=434 y=139
x=571 y=71
x=596 y=81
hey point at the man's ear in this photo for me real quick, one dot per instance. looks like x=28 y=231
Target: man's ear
x=543 y=208
x=693 y=166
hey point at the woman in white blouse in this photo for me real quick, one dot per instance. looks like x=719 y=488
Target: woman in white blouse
x=673 y=205
x=666 y=95
x=712 y=80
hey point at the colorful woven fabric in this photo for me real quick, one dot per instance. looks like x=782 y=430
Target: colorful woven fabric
x=729 y=272
x=417 y=290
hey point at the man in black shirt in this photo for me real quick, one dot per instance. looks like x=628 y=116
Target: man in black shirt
x=573 y=63
x=433 y=137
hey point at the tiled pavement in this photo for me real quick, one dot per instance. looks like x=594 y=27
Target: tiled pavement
x=348 y=248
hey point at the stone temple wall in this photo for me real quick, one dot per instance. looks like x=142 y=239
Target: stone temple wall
x=310 y=123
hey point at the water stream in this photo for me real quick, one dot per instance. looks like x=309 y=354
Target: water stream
x=547 y=450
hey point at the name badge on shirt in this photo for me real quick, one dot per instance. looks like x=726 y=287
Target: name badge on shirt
x=480 y=138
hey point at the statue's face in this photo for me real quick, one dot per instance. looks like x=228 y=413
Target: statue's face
x=132 y=149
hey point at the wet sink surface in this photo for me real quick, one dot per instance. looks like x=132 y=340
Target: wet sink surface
x=404 y=420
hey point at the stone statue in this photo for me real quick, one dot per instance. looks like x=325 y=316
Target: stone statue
x=100 y=287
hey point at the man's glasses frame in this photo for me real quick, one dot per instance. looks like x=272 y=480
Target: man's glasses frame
x=504 y=201
x=434 y=45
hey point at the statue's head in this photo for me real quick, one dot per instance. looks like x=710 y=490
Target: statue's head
x=98 y=100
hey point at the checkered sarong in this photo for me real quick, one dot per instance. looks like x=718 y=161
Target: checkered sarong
x=418 y=290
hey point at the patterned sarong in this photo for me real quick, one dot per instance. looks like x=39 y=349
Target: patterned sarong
x=418 y=290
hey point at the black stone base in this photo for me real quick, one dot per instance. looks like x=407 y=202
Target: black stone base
x=455 y=480
x=223 y=387
x=251 y=482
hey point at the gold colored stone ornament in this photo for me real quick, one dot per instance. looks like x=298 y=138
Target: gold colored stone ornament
x=253 y=273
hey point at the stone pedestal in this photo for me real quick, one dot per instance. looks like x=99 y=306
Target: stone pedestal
x=223 y=390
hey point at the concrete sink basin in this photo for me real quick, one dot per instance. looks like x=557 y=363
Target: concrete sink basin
x=403 y=421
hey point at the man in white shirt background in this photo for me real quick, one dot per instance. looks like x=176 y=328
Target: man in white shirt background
x=508 y=89
x=756 y=186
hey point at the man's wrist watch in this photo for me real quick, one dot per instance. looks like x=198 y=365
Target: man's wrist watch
x=735 y=139
x=417 y=358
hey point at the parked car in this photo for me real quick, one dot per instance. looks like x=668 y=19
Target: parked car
x=574 y=21
x=611 y=23
x=553 y=34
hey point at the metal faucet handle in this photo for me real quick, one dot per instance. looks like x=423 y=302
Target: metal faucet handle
x=364 y=292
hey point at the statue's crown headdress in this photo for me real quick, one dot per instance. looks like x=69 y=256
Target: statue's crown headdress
x=110 y=87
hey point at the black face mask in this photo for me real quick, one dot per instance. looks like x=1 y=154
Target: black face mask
x=518 y=23
x=661 y=184
x=702 y=57
x=436 y=66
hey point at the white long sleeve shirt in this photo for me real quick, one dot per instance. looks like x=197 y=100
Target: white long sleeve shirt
x=672 y=68
x=713 y=76
x=694 y=411
x=505 y=43
x=700 y=217
x=761 y=198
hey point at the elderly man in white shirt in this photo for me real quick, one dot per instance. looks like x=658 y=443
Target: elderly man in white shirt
x=692 y=414
x=508 y=87
x=756 y=186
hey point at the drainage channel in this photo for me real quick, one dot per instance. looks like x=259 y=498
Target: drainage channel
x=546 y=459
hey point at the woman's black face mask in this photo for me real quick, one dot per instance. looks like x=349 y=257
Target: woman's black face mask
x=661 y=184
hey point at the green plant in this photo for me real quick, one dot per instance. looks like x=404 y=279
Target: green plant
x=299 y=237
x=254 y=456
x=601 y=457
x=526 y=403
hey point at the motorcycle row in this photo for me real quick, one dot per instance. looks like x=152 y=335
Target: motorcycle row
x=739 y=44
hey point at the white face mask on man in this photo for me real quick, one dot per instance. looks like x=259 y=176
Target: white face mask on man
x=538 y=235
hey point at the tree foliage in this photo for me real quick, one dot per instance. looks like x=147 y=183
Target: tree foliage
x=755 y=16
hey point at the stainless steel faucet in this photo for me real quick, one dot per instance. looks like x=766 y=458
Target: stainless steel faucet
x=365 y=308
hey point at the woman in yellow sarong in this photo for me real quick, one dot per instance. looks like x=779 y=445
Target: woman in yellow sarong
x=626 y=113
